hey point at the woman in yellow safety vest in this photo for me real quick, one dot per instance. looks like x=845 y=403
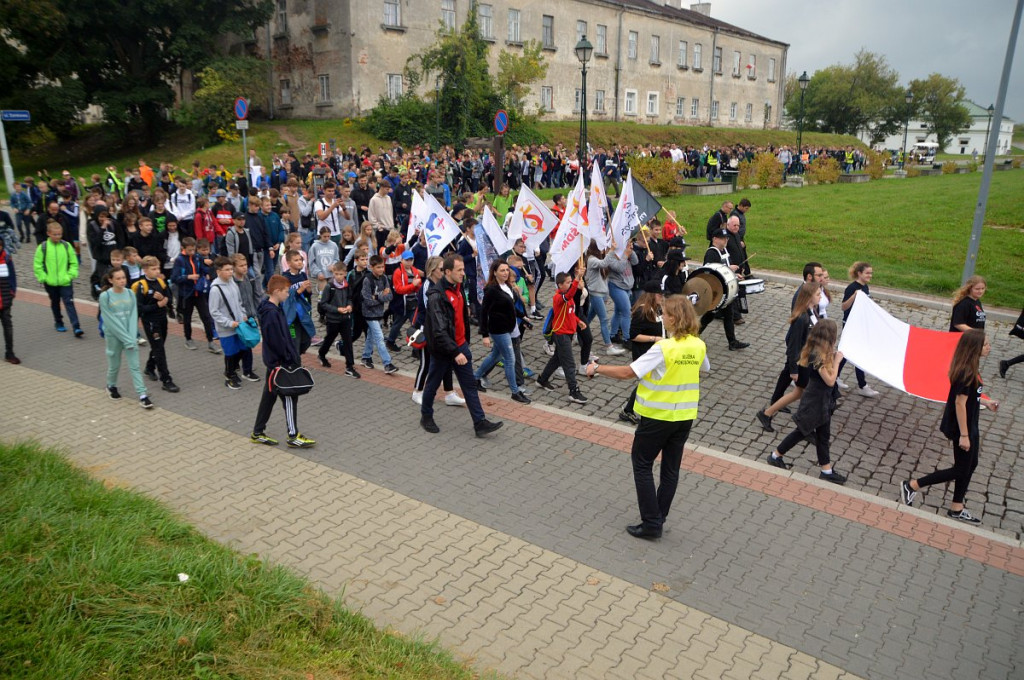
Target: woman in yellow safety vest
x=666 y=401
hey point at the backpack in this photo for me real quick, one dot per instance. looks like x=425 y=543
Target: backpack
x=67 y=249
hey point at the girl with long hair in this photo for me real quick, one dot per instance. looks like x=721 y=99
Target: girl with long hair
x=967 y=310
x=646 y=327
x=596 y=278
x=814 y=415
x=499 y=323
x=801 y=320
x=860 y=276
x=960 y=425
x=120 y=311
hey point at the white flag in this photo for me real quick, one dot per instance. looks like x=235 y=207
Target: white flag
x=501 y=243
x=571 y=239
x=626 y=219
x=532 y=220
x=418 y=215
x=440 y=227
x=597 y=209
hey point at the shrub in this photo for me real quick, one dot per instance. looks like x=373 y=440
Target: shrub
x=764 y=170
x=948 y=168
x=1017 y=162
x=824 y=170
x=659 y=175
x=876 y=162
x=972 y=166
x=408 y=119
x=913 y=171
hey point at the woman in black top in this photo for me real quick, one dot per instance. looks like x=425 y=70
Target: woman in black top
x=860 y=273
x=645 y=329
x=967 y=310
x=814 y=415
x=1018 y=332
x=499 y=321
x=673 y=274
x=801 y=320
x=960 y=425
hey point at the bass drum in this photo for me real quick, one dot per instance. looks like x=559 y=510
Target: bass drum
x=714 y=285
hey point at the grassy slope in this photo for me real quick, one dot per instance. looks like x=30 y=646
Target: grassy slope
x=89 y=577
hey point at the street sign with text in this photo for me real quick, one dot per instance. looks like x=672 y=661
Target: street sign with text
x=241 y=125
x=16 y=116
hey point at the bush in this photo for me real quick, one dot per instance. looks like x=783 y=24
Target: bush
x=972 y=166
x=764 y=170
x=876 y=162
x=1016 y=162
x=659 y=175
x=408 y=119
x=913 y=171
x=212 y=105
x=948 y=168
x=824 y=170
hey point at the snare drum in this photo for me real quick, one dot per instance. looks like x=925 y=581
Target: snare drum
x=715 y=286
x=752 y=286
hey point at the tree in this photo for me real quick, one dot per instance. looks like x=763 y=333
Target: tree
x=126 y=56
x=516 y=72
x=937 y=100
x=220 y=84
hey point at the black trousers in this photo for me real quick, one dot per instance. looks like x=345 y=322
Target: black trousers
x=156 y=333
x=290 y=405
x=341 y=328
x=822 y=434
x=201 y=304
x=727 y=320
x=964 y=463
x=5 y=321
x=421 y=373
x=655 y=437
x=562 y=358
x=780 y=385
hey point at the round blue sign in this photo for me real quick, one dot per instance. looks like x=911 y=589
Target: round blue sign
x=241 y=108
x=501 y=121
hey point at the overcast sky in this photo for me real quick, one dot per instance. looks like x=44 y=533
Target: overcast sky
x=963 y=39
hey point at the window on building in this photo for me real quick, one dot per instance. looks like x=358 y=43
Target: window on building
x=696 y=57
x=714 y=110
x=282 y=16
x=485 y=14
x=577 y=101
x=392 y=13
x=630 y=102
x=736 y=57
x=581 y=30
x=733 y=110
x=652 y=103
x=680 y=106
x=771 y=70
x=325 y=87
x=694 y=107
x=601 y=45
x=752 y=67
x=548 y=31
x=286 y=92
x=631 y=49
x=513 y=26
x=749 y=116
x=394 y=86
x=682 y=54
x=547 y=99
x=655 y=49
x=767 y=114
x=448 y=14
x=716 y=63
x=599 y=100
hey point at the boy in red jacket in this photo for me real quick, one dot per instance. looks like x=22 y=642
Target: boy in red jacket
x=563 y=325
x=407 y=281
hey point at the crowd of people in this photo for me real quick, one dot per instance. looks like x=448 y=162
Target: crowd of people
x=315 y=253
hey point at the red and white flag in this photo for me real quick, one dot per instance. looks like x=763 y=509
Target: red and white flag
x=914 y=360
x=531 y=221
x=573 y=234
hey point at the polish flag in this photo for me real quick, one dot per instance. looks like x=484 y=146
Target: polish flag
x=914 y=360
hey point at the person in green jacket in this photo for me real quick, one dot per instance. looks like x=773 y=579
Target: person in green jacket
x=56 y=267
x=121 y=328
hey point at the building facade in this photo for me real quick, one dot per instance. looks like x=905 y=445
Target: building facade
x=652 y=62
x=964 y=142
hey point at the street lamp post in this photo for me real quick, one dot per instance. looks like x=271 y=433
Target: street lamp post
x=909 y=99
x=803 y=80
x=583 y=51
x=988 y=130
x=437 y=107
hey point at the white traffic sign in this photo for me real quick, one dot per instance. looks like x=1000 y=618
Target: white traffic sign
x=241 y=125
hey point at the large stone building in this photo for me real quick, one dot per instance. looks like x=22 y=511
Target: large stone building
x=653 y=62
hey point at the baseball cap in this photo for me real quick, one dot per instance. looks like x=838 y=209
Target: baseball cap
x=407 y=255
x=724 y=233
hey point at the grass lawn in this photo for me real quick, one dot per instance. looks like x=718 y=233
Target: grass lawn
x=90 y=589
x=915 y=231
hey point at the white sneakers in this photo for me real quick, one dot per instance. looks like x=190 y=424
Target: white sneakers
x=452 y=398
x=866 y=391
x=842 y=385
x=417 y=396
x=613 y=351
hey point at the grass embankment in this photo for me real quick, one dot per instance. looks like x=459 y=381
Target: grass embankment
x=90 y=589
x=915 y=232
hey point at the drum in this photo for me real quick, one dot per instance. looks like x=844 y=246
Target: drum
x=714 y=286
x=752 y=286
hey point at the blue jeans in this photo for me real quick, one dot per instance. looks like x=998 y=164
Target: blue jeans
x=65 y=294
x=464 y=373
x=375 y=339
x=599 y=308
x=501 y=348
x=620 y=319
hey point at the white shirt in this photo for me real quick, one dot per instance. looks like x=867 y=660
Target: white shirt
x=653 y=362
x=183 y=205
x=333 y=221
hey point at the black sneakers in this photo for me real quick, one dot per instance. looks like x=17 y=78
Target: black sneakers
x=765 y=420
x=368 y=363
x=963 y=516
x=428 y=424
x=1003 y=366
x=736 y=344
x=390 y=369
x=113 y=393
x=521 y=398
x=251 y=377
x=778 y=462
x=485 y=427
x=323 y=361
x=546 y=385
x=907 y=494
x=352 y=372
x=836 y=477
x=577 y=397
x=150 y=373
x=233 y=383
x=145 y=403
x=169 y=386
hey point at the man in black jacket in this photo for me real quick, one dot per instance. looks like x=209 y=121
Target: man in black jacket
x=718 y=254
x=719 y=219
x=447 y=330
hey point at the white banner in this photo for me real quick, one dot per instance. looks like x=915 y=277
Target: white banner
x=419 y=213
x=502 y=244
x=597 y=209
x=440 y=227
x=532 y=220
x=625 y=221
x=572 y=238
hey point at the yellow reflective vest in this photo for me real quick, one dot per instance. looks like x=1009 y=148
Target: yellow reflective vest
x=674 y=396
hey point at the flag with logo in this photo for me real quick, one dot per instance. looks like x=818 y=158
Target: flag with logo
x=597 y=209
x=502 y=244
x=440 y=227
x=572 y=238
x=626 y=220
x=419 y=213
x=532 y=220
x=647 y=206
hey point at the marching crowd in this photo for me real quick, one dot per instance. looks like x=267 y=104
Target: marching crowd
x=314 y=253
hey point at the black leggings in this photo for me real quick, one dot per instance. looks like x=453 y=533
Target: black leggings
x=964 y=463
x=421 y=373
x=822 y=434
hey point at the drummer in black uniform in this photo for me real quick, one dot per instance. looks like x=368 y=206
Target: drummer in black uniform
x=738 y=254
x=719 y=254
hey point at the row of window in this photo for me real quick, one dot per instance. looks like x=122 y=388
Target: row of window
x=394 y=80
x=653 y=105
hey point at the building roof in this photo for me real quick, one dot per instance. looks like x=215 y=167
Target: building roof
x=690 y=17
x=977 y=111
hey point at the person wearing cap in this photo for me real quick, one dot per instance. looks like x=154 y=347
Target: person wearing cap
x=406 y=283
x=718 y=254
x=672 y=276
x=738 y=254
x=666 y=401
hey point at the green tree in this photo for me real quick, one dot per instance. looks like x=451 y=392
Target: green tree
x=127 y=56
x=220 y=84
x=516 y=72
x=937 y=100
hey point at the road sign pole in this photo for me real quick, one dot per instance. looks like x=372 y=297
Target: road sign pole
x=245 y=156
x=8 y=170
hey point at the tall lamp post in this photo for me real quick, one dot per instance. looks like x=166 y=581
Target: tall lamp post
x=803 y=80
x=909 y=99
x=437 y=107
x=988 y=130
x=583 y=51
